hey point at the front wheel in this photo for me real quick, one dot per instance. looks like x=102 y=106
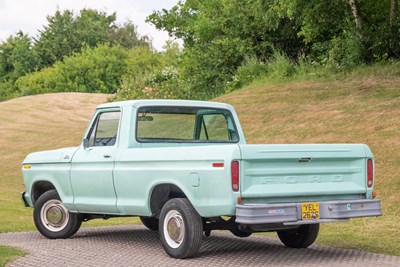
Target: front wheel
x=301 y=237
x=52 y=219
x=180 y=228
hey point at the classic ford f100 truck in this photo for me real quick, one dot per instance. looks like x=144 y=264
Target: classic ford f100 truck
x=184 y=167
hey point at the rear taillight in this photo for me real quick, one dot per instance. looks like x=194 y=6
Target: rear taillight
x=370 y=173
x=235 y=175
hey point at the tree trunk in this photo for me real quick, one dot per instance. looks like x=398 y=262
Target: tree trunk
x=393 y=14
x=394 y=38
x=355 y=10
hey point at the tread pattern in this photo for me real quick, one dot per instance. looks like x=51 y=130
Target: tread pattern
x=193 y=228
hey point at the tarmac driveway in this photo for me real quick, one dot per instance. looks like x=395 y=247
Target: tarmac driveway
x=134 y=245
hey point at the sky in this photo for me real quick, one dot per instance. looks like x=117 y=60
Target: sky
x=29 y=16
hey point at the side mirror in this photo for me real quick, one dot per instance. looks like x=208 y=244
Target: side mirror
x=85 y=143
x=145 y=118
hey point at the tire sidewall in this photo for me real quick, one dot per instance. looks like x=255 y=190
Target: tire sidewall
x=70 y=228
x=190 y=219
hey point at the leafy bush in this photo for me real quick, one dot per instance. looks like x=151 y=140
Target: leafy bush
x=280 y=66
x=159 y=84
x=48 y=80
x=251 y=70
x=341 y=52
x=344 y=52
x=96 y=70
x=7 y=90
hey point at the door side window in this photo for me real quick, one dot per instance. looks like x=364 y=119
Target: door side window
x=105 y=130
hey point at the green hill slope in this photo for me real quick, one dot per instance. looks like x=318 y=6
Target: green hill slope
x=350 y=111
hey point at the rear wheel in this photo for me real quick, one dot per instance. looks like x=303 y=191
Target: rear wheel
x=150 y=222
x=301 y=237
x=52 y=219
x=180 y=228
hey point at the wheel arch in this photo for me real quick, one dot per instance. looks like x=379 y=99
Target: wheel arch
x=39 y=188
x=162 y=192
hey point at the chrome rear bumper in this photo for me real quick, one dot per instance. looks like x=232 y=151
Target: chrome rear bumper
x=290 y=213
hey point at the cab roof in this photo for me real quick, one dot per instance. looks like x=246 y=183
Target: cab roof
x=165 y=102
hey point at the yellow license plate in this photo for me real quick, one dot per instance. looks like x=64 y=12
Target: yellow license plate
x=310 y=211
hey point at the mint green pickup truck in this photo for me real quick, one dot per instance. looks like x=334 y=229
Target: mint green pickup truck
x=185 y=169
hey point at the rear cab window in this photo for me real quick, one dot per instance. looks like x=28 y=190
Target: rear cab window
x=185 y=125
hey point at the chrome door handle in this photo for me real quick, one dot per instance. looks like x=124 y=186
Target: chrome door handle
x=107 y=156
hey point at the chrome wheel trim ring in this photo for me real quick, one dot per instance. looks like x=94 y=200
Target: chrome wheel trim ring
x=174 y=229
x=54 y=215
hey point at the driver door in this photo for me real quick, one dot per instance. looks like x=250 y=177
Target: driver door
x=93 y=164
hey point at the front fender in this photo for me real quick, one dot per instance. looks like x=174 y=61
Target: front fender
x=44 y=175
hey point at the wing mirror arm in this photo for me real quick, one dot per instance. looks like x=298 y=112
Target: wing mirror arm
x=85 y=143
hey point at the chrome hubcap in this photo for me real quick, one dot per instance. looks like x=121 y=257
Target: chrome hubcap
x=174 y=229
x=54 y=215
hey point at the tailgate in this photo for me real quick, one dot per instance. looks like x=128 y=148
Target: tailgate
x=287 y=173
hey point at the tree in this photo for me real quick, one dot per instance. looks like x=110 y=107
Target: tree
x=219 y=35
x=56 y=40
x=16 y=57
x=66 y=49
x=355 y=10
x=66 y=34
x=394 y=28
x=16 y=60
x=93 y=27
x=128 y=37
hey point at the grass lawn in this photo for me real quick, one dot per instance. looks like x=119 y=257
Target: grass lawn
x=8 y=254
